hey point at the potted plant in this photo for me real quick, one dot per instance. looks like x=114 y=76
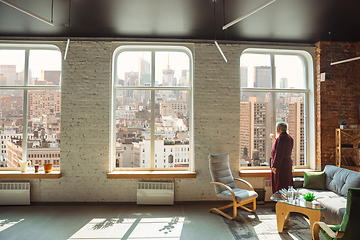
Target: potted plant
x=343 y=124
x=309 y=197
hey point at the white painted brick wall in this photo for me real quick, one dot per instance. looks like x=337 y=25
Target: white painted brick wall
x=85 y=130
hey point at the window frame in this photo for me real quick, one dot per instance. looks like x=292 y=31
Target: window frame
x=26 y=88
x=152 y=48
x=309 y=101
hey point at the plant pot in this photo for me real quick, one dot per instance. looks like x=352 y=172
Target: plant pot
x=308 y=204
x=47 y=167
x=342 y=126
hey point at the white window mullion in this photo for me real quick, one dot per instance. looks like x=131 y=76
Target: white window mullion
x=273 y=93
x=152 y=121
x=25 y=106
x=306 y=132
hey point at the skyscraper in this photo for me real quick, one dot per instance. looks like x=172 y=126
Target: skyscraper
x=296 y=130
x=44 y=102
x=243 y=77
x=144 y=72
x=168 y=76
x=131 y=79
x=9 y=71
x=52 y=77
x=184 y=79
x=11 y=106
x=284 y=83
x=262 y=77
x=255 y=127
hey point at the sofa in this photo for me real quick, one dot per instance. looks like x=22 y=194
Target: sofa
x=330 y=188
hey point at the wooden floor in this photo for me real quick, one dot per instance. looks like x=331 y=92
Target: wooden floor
x=182 y=221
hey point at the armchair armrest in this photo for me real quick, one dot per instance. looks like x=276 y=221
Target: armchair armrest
x=331 y=233
x=228 y=188
x=246 y=182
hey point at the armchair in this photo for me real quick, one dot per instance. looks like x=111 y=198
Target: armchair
x=349 y=228
x=225 y=187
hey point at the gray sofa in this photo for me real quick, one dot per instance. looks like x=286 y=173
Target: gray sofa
x=337 y=182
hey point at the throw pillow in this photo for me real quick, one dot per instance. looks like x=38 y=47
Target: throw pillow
x=314 y=180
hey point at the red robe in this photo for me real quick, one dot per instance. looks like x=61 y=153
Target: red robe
x=281 y=160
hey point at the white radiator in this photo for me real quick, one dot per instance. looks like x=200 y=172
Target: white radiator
x=268 y=188
x=14 y=193
x=155 y=193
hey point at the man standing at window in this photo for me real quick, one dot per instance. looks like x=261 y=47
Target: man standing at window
x=280 y=161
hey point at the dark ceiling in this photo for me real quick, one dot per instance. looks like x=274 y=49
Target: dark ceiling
x=289 y=21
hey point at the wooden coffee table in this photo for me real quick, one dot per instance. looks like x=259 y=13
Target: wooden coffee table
x=285 y=207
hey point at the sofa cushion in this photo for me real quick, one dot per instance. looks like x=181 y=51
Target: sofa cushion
x=339 y=180
x=314 y=180
x=335 y=205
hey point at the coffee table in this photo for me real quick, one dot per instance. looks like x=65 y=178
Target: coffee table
x=284 y=207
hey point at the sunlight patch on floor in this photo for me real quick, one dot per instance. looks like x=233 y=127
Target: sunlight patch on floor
x=131 y=228
x=102 y=228
x=158 y=228
x=6 y=223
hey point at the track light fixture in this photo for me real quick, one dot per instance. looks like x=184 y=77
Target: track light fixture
x=222 y=54
x=28 y=13
x=248 y=14
x=344 y=61
x=67 y=47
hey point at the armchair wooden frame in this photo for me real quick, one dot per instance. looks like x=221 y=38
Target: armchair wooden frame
x=235 y=204
x=331 y=233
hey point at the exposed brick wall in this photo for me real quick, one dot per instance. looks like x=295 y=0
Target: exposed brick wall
x=337 y=98
x=85 y=129
x=216 y=112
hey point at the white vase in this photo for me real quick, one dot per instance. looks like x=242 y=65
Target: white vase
x=308 y=204
x=342 y=126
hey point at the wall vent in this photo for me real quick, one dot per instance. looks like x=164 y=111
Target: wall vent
x=155 y=193
x=267 y=183
x=14 y=193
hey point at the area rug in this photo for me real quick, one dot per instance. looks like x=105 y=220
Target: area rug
x=262 y=225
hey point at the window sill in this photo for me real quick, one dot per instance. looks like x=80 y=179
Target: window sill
x=267 y=172
x=30 y=175
x=150 y=174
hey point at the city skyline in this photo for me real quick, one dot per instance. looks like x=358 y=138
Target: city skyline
x=43 y=106
x=39 y=60
x=133 y=113
x=286 y=66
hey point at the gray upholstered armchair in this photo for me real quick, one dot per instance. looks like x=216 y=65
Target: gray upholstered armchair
x=225 y=186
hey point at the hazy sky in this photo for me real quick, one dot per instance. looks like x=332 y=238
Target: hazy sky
x=290 y=67
x=129 y=61
x=39 y=59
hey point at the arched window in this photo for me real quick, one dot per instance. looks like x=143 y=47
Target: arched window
x=276 y=86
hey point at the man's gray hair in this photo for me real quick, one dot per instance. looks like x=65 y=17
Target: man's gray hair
x=282 y=126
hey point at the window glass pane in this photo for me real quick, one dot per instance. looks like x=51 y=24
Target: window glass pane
x=12 y=67
x=11 y=105
x=171 y=69
x=255 y=71
x=290 y=109
x=45 y=67
x=133 y=109
x=289 y=72
x=44 y=118
x=255 y=129
x=133 y=68
x=172 y=127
